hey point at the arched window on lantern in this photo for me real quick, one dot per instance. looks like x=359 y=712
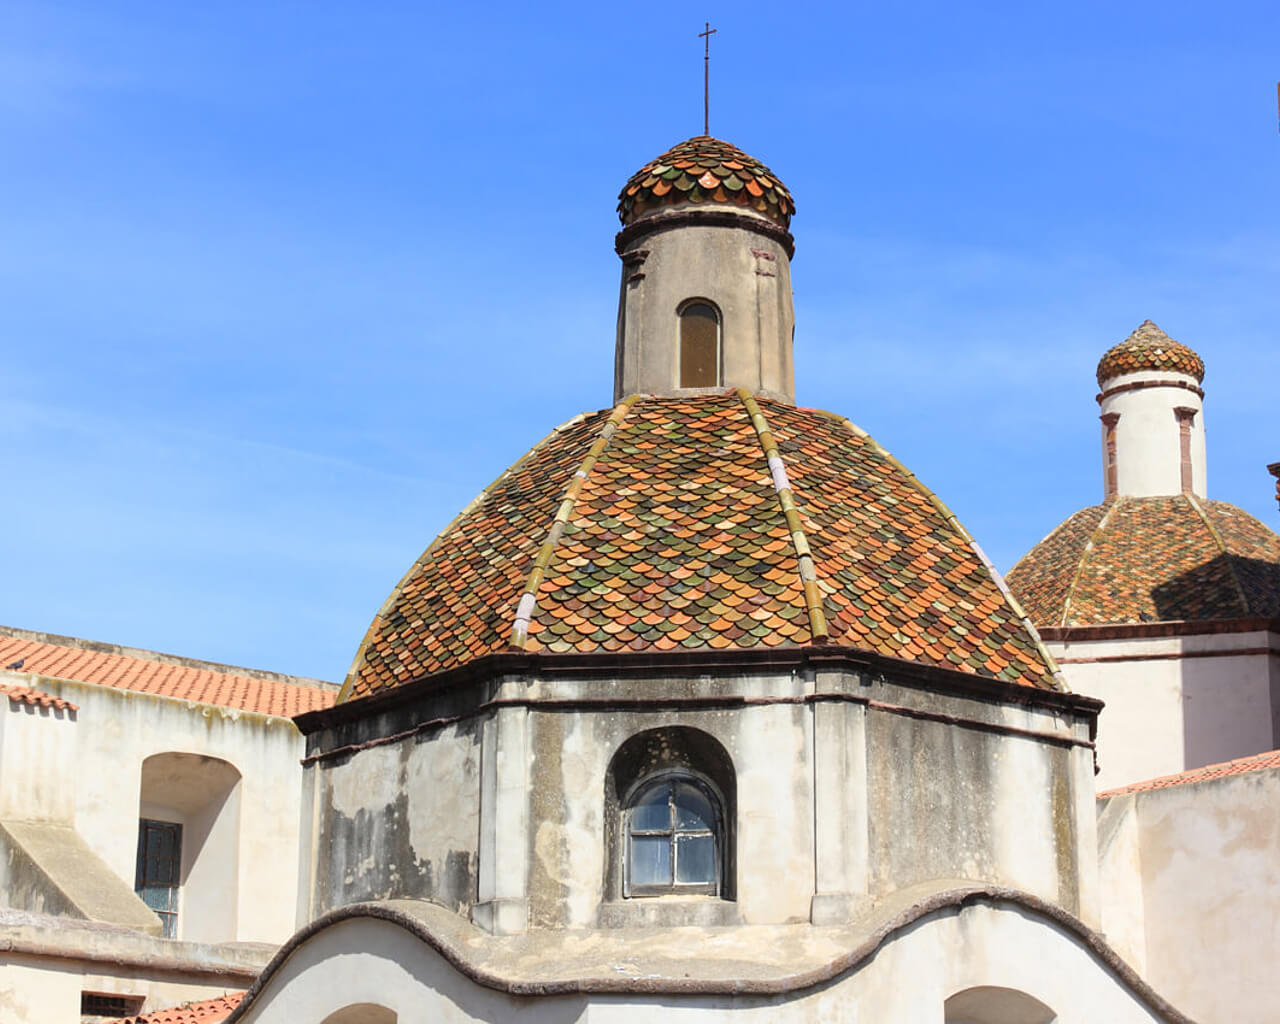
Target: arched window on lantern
x=699 y=344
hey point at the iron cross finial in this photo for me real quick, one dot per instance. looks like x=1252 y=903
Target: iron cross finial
x=706 y=35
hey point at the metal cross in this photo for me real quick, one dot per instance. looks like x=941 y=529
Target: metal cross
x=706 y=77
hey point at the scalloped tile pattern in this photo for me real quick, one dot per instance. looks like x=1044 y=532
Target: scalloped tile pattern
x=1151 y=559
x=705 y=170
x=897 y=578
x=1149 y=348
x=677 y=540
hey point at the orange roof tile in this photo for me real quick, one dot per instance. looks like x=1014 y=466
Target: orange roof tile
x=1240 y=766
x=44 y=654
x=1149 y=348
x=709 y=522
x=209 y=1011
x=705 y=170
x=1151 y=559
x=26 y=695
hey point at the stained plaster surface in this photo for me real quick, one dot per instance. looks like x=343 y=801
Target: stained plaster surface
x=899 y=963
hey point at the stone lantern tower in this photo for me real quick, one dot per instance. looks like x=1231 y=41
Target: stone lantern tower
x=706 y=275
x=1152 y=426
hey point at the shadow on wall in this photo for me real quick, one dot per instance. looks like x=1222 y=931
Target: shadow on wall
x=1210 y=591
x=991 y=1005
x=361 y=1013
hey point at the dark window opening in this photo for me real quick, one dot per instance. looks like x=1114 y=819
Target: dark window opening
x=159 y=870
x=699 y=345
x=673 y=837
x=101 y=1004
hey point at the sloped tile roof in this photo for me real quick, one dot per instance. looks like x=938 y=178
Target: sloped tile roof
x=1240 y=766
x=1151 y=559
x=208 y=1011
x=705 y=170
x=1149 y=348
x=168 y=676
x=720 y=521
x=18 y=694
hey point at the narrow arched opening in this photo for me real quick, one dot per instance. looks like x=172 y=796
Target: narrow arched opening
x=670 y=816
x=992 y=1004
x=362 y=1013
x=188 y=845
x=700 y=344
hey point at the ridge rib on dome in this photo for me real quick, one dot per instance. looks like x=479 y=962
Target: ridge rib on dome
x=1151 y=559
x=715 y=522
x=705 y=170
x=1149 y=348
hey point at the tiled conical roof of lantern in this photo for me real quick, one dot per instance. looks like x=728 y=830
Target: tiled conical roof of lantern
x=1149 y=348
x=715 y=522
x=1168 y=558
x=705 y=170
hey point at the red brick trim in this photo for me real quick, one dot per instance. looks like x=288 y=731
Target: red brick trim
x=1138 y=385
x=1171 y=655
x=1145 y=630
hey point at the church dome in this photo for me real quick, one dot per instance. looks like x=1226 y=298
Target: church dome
x=719 y=521
x=705 y=170
x=1149 y=348
x=1142 y=559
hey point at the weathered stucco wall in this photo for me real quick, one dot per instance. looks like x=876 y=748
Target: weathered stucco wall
x=1174 y=703
x=1208 y=874
x=848 y=787
x=399 y=820
x=745 y=273
x=909 y=979
x=117 y=730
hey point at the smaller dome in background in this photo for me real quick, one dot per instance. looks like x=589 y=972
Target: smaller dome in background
x=705 y=170
x=1149 y=348
x=1151 y=559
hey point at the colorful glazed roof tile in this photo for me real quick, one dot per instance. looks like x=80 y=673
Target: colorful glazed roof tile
x=705 y=170
x=18 y=694
x=1240 y=766
x=1151 y=559
x=208 y=1011
x=714 y=522
x=1149 y=348
x=44 y=654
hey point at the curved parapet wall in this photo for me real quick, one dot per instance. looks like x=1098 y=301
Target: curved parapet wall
x=421 y=962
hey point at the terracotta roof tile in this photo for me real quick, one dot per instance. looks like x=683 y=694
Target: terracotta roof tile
x=709 y=522
x=147 y=672
x=208 y=1011
x=1240 y=766
x=18 y=694
x=1149 y=348
x=1151 y=559
x=705 y=170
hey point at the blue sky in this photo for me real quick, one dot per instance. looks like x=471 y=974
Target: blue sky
x=284 y=285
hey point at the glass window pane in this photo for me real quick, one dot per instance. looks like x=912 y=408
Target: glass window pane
x=699 y=347
x=651 y=812
x=693 y=809
x=695 y=860
x=650 y=860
